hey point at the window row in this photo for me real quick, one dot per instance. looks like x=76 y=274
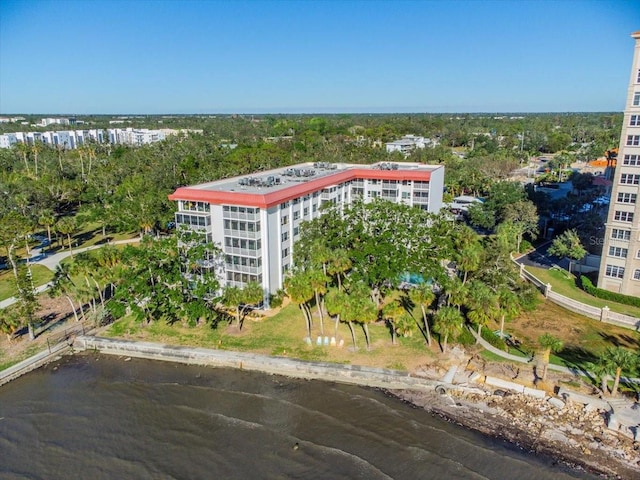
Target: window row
x=242 y=226
x=242 y=243
x=634 y=121
x=623 y=216
x=633 y=140
x=631 y=160
x=618 y=252
x=243 y=277
x=236 y=209
x=636 y=99
x=244 y=261
x=617 y=234
x=629 y=179
x=193 y=220
x=195 y=206
x=627 y=197
x=614 y=271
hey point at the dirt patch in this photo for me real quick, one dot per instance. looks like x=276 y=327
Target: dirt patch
x=54 y=315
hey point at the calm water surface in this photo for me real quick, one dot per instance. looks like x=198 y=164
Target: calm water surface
x=99 y=417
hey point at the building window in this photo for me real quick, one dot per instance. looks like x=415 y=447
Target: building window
x=634 y=121
x=633 y=140
x=638 y=254
x=284 y=205
x=621 y=216
x=629 y=179
x=636 y=99
x=627 y=197
x=631 y=160
x=617 y=234
x=285 y=253
x=296 y=215
x=284 y=220
x=314 y=208
x=614 y=271
x=636 y=274
x=296 y=231
x=305 y=212
x=618 y=252
x=285 y=236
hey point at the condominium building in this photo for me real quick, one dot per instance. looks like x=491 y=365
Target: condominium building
x=407 y=144
x=620 y=264
x=255 y=220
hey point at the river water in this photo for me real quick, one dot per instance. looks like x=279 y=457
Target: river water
x=100 y=417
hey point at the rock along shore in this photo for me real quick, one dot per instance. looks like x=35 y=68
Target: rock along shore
x=571 y=432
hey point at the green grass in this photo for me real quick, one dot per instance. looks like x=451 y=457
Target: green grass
x=282 y=335
x=41 y=275
x=564 y=283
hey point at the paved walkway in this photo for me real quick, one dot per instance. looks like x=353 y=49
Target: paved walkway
x=52 y=261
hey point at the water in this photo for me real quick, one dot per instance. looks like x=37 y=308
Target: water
x=99 y=417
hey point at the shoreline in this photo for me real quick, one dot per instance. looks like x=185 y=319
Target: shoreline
x=580 y=440
x=571 y=434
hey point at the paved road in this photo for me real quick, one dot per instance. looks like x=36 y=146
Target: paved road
x=540 y=258
x=52 y=261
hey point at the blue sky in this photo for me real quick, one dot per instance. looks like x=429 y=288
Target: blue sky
x=154 y=56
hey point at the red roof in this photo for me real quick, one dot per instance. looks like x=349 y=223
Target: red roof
x=270 y=199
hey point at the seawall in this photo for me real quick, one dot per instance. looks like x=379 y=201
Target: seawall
x=352 y=374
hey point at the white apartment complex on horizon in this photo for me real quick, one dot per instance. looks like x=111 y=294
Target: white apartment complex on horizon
x=408 y=143
x=72 y=139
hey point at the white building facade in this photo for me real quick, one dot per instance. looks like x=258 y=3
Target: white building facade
x=407 y=144
x=255 y=220
x=620 y=264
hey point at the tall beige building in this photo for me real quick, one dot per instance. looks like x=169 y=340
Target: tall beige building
x=620 y=265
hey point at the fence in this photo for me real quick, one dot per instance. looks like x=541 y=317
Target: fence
x=603 y=314
x=56 y=344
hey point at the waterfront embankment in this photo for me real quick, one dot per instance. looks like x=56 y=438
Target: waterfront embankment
x=351 y=374
x=572 y=432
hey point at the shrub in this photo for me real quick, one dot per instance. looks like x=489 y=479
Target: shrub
x=465 y=338
x=493 y=339
x=588 y=287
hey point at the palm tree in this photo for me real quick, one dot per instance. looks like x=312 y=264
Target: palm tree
x=602 y=371
x=447 y=323
x=66 y=226
x=392 y=312
x=339 y=264
x=299 y=290
x=618 y=359
x=318 y=281
x=335 y=301
x=423 y=295
x=47 y=219
x=483 y=305
x=455 y=291
x=509 y=306
x=549 y=344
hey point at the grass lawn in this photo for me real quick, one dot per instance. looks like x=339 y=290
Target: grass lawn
x=282 y=335
x=583 y=339
x=564 y=283
x=41 y=275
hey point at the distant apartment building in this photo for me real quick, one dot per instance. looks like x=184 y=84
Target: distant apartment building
x=44 y=122
x=72 y=139
x=256 y=219
x=620 y=264
x=407 y=144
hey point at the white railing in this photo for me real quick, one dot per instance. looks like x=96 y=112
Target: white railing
x=603 y=314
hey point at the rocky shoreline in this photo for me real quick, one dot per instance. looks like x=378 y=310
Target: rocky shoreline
x=573 y=434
